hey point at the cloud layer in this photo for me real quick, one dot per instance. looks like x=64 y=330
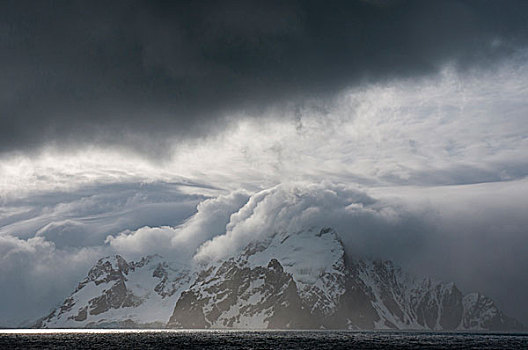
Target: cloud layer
x=79 y=72
x=445 y=129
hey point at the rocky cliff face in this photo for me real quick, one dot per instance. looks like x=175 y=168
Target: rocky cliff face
x=481 y=313
x=289 y=280
x=231 y=296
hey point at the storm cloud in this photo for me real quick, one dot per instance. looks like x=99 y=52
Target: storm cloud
x=77 y=73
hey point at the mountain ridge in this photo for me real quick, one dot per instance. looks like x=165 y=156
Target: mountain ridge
x=286 y=280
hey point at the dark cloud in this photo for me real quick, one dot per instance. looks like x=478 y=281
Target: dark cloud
x=135 y=73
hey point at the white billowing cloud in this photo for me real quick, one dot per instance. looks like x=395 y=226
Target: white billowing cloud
x=181 y=242
x=144 y=241
x=210 y=220
x=291 y=208
x=227 y=223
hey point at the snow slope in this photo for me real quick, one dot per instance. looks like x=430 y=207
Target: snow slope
x=117 y=293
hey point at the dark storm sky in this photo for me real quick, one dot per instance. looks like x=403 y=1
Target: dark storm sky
x=81 y=72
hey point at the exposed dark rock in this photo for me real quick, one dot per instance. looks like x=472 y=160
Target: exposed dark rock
x=82 y=315
x=211 y=296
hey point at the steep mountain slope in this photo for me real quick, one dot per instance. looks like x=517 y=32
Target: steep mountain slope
x=305 y=280
x=287 y=280
x=117 y=293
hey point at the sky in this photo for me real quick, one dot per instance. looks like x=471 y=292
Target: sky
x=190 y=129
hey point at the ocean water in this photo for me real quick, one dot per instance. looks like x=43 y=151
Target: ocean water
x=181 y=339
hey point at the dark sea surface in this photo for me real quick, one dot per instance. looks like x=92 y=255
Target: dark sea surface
x=181 y=339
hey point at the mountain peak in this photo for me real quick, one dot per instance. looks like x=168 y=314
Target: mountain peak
x=286 y=280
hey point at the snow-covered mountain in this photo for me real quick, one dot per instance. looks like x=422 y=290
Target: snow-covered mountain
x=117 y=293
x=288 y=280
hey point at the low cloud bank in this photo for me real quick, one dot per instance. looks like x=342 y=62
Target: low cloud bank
x=470 y=240
x=225 y=224
x=181 y=242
